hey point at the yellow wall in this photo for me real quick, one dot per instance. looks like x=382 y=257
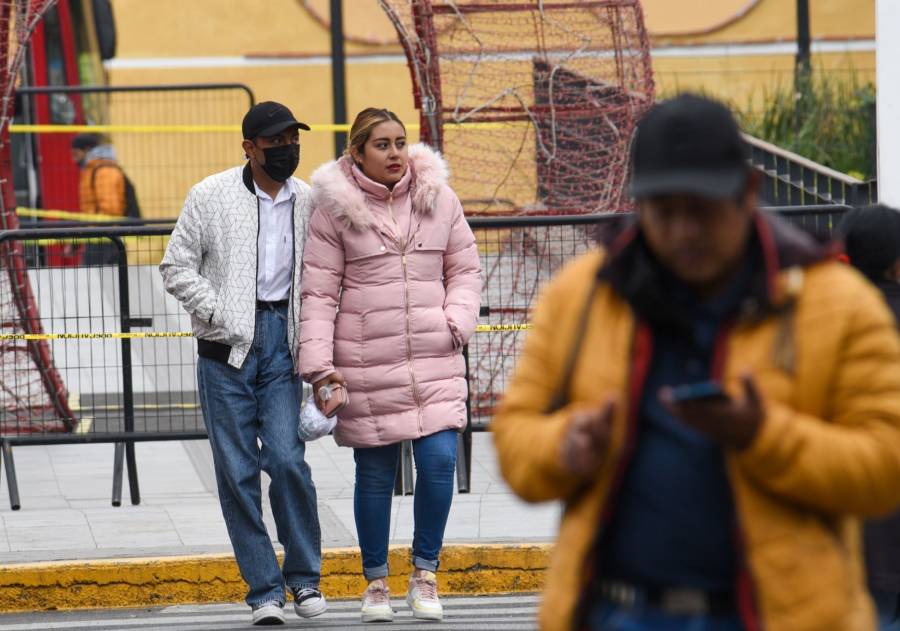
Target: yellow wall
x=273 y=28
x=285 y=30
x=746 y=81
x=177 y=28
x=684 y=21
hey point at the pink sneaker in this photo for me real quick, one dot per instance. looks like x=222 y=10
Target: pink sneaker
x=422 y=597
x=376 y=603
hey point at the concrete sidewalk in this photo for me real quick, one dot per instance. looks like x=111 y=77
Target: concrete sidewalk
x=68 y=547
x=66 y=512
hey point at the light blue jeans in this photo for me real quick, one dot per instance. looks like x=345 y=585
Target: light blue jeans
x=610 y=617
x=376 y=468
x=243 y=409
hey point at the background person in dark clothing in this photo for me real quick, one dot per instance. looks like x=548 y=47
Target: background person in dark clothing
x=872 y=238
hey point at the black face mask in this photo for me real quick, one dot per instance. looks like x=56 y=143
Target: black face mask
x=281 y=162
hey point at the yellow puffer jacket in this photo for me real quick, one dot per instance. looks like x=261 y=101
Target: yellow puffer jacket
x=826 y=356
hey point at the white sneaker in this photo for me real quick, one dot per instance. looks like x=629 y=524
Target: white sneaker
x=422 y=597
x=268 y=614
x=308 y=602
x=376 y=603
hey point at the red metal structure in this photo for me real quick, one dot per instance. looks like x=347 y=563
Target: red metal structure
x=63 y=51
x=532 y=103
x=37 y=47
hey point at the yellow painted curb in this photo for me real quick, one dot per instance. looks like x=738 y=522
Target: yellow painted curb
x=144 y=582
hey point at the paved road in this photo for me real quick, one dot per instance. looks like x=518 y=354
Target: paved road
x=488 y=613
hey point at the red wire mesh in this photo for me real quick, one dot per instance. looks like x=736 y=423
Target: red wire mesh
x=533 y=104
x=32 y=395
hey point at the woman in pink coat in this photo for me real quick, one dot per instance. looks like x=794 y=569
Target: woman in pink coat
x=391 y=288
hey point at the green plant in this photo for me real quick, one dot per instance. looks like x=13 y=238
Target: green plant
x=829 y=120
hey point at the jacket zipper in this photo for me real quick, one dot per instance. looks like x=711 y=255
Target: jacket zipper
x=643 y=352
x=745 y=590
x=402 y=246
x=255 y=281
x=292 y=329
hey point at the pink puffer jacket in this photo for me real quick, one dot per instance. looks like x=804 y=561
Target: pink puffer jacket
x=393 y=321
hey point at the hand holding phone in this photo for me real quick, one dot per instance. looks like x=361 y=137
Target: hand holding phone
x=700 y=391
x=326 y=387
x=731 y=421
x=333 y=398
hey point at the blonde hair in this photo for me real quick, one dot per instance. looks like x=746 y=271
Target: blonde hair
x=363 y=125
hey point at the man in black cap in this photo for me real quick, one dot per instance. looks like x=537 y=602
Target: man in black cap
x=234 y=263
x=715 y=399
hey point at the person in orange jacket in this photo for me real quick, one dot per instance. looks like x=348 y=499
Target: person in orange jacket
x=101 y=189
x=733 y=504
x=101 y=185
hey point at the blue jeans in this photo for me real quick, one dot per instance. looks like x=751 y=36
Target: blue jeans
x=376 y=468
x=610 y=617
x=260 y=404
x=887 y=604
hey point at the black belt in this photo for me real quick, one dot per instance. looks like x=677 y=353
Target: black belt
x=676 y=601
x=262 y=305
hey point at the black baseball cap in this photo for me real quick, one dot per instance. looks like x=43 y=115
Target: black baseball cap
x=689 y=144
x=86 y=142
x=269 y=119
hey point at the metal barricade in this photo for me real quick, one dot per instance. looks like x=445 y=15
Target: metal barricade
x=117 y=341
x=519 y=255
x=127 y=362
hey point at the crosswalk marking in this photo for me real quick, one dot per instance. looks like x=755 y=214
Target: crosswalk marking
x=489 y=613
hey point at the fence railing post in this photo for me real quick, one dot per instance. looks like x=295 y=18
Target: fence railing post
x=11 y=482
x=464 y=443
x=127 y=376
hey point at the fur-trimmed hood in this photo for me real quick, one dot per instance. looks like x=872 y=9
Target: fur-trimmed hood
x=336 y=190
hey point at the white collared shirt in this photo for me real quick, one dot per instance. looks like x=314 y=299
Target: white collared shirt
x=276 y=244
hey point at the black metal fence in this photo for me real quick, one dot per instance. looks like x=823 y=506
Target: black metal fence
x=122 y=348
x=520 y=254
x=790 y=179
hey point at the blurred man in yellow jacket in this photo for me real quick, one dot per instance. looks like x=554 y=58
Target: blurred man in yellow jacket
x=688 y=507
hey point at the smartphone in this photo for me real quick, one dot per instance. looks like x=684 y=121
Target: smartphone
x=335 y=398
x=703 y=391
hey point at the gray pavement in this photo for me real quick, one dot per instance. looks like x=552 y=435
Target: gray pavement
x=495 y=613
x=66 y=512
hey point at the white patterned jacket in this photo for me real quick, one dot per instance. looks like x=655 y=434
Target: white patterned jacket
x=210 y=263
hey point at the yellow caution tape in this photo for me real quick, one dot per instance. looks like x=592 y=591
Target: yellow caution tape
x=494 y=328
x=92 y=240
x=112 y=129
x=32 y=337
x=144 y=406
x=205 y=129
x=137 y=335
x=152 y=129
x=39 y=213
